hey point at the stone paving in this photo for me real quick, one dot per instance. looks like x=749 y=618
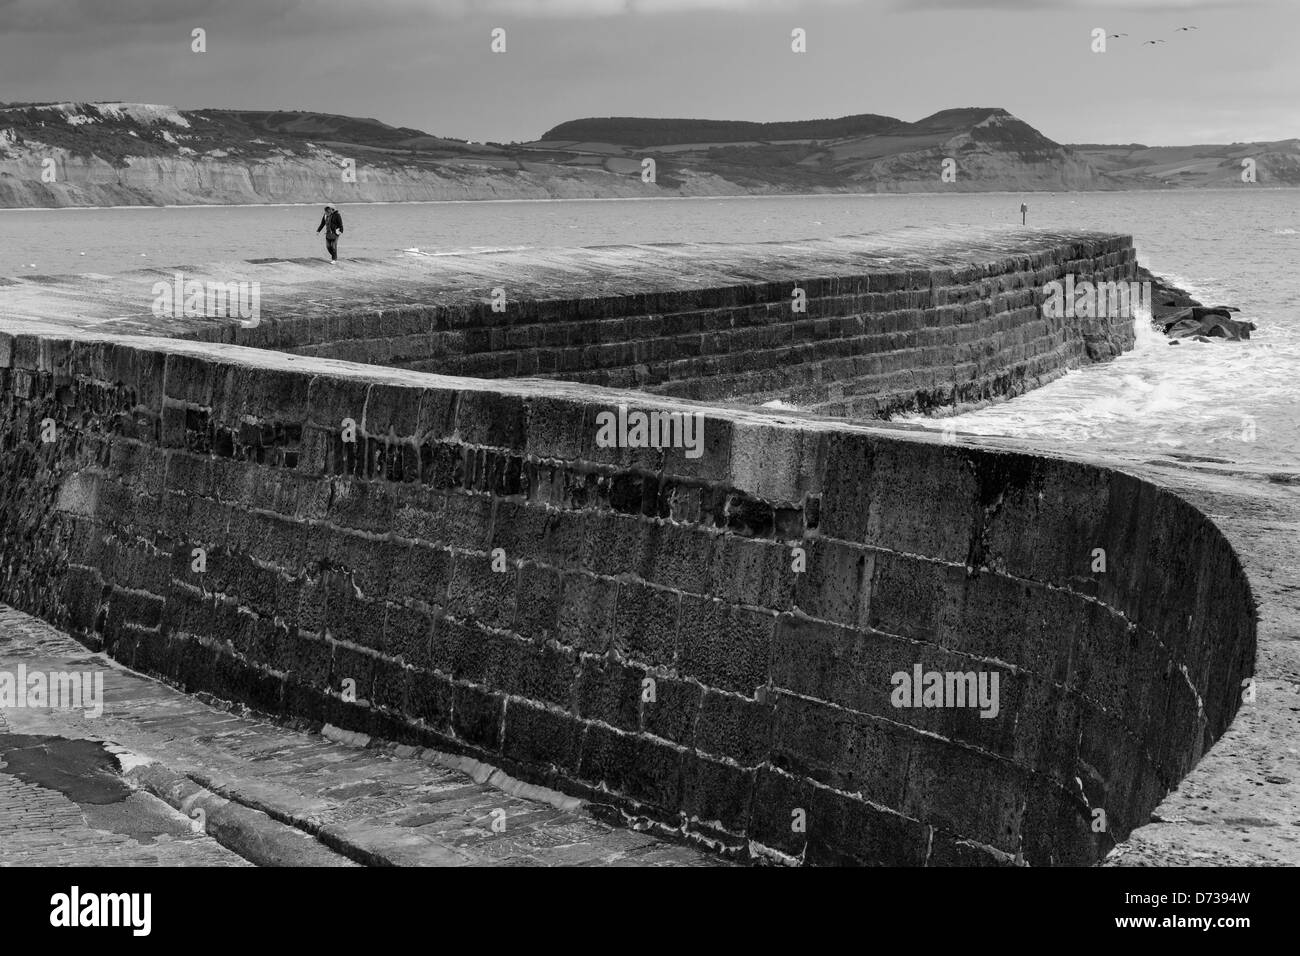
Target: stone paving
x=295 y=293
x=377 y=804
x=40 y=826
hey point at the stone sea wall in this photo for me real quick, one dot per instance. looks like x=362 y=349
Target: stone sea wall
x=706 y=643
x=834 y=329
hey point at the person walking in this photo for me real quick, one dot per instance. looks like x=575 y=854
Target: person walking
x=332 y=223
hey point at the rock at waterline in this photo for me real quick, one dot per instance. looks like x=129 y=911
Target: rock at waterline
x=1206 y=324
x=1179 y=316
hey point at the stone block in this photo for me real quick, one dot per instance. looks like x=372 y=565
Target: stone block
x=724 y=647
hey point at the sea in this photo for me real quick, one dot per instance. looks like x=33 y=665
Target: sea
x=1225 y=404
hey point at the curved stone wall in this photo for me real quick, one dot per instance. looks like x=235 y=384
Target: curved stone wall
x=710 y=642
x=859 y=326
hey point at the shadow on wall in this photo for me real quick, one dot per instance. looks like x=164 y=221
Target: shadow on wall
x=739 y=645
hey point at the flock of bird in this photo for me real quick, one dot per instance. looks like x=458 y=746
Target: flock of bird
x=1153 y=42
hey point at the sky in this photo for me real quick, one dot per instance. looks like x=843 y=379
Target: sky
x=428 y=64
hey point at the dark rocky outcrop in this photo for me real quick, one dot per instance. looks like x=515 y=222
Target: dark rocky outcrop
x=1179 y=316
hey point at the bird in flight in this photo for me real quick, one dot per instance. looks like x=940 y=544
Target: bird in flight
x=1149 y=42
x=1119 y=34
x=1186 y=28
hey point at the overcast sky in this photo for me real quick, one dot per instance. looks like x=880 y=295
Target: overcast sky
x=427 y=63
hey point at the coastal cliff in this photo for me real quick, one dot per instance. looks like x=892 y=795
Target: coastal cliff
x=108 y=154
x=164 y=181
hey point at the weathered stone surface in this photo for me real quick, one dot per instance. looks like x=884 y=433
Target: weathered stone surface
x=276 y=795
x=914 y=319
x=1179 y=316
x=706 y=643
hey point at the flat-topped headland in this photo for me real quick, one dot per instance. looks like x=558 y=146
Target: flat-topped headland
x=388 y=501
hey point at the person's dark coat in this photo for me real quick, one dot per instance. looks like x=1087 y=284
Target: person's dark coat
x=332 y=223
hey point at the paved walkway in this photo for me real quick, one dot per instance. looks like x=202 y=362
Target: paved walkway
x=40 y=825
x=313 y=291
x=72 y=786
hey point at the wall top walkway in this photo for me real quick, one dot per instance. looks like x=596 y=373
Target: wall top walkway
x=304 y=288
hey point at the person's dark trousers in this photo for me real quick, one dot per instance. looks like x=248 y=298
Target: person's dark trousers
x=332 y=244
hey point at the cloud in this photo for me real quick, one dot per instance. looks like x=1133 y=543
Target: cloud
x=609 y=8
x=1074 y=6
x=75 y=16
x=79 y=16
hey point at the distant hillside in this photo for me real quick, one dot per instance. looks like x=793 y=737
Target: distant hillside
x=99 y=154
x=990 y=150
x=639 y=131
x=114 y=131
x=95 y=154
x=1139 y=166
